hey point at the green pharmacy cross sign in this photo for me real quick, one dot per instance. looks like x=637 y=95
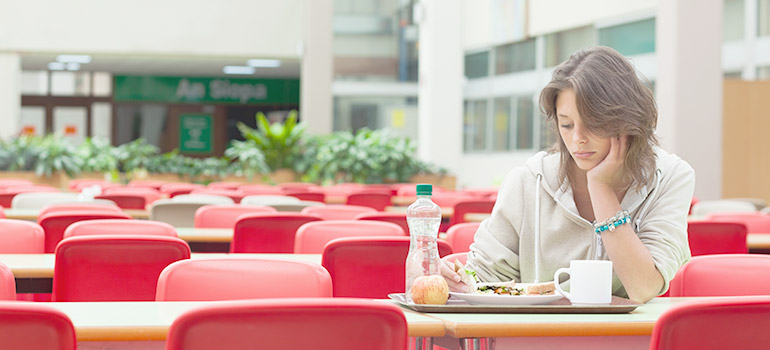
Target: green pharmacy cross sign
x=195 y=133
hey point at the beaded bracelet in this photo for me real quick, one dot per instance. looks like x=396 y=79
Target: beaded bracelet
x=620 y=218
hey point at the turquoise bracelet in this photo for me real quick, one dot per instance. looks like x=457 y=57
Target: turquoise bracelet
x=622 y=217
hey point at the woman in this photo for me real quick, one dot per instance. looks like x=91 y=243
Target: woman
x=607 y=165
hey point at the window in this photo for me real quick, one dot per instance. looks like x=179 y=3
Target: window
x=630 y=38
x=559 y=46
x=763 y=73
x=548 y=134
x=399 y=114
x=515 y=57
x=475 y=125
x=763 y=17
x=509 y=125
x=501 y=134
x=525 y=113
x=477 y=65
x=732 y=18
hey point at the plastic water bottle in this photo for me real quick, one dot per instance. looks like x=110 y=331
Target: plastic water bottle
x=423 y=217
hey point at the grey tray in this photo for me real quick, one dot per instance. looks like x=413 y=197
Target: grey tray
x=561 y=306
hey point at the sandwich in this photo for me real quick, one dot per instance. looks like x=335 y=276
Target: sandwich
x=513 y=288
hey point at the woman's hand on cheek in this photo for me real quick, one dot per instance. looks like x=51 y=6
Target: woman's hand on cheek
x=609 y=170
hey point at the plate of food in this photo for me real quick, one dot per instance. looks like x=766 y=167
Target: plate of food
x=510 y=293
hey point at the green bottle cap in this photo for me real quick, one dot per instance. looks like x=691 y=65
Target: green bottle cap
x=424 y=189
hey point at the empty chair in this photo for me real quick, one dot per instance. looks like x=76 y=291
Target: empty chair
x=2 y=213
x=177 y=214
x=702 y=208
x=75 y=185
x=378 y=263
x=126 y=200
x=7 y=194
x=223 y=216
x=396 y=218
x=119 y=227
x=723 y=275
x=147 y=183
x=755 y=222
x=37 y=200
x=19 y=236
x=296 y=207
x=225 y=185
x=6 y=183
x=298 y=186
x=96 y=205
x=55 y=223
x=460 y=236
x=113 y=267
x=267 y=232
x=150 y=194
x=203 y=199
x=235 y=195
x=8 y=283
x=376 y=199
x=448 y=199
x=338 y=212
x=306 y=195
x=228 y=279
x=267 y=199
x=261 y=190
x=714 y=323
x=328 y=323
x=313 y=236
x=410 y=190
x=172 y=189
x=709 y=237
x=34 y=326
x=463 y=207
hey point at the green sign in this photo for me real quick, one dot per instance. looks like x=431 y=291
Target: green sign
x=195 y=133
x=205 y=90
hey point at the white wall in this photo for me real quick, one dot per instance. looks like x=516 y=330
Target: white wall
x=546 y=16
x=225 y=27
x=490 y=22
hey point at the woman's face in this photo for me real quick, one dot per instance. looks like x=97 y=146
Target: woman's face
x=587 y=149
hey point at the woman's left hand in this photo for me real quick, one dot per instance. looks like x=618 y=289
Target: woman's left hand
x=609 y=171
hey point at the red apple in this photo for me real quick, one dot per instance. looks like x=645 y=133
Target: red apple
x=430 y=290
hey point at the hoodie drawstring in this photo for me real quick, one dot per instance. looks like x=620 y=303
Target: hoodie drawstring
x=537 y=228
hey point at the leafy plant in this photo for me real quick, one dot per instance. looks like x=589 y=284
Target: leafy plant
x=282 y=144
x=98 y=155
x=19 y=154
x=135 y=155
x=44 y=155
x=247 y=159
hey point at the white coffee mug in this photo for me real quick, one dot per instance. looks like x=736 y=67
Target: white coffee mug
x=590 y=282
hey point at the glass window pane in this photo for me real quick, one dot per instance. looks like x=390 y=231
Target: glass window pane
x=501 y=130
x=548 y=135
x=559 y=46
x=34 y=82
x=732 y=75
x=763 y=73
x=515 y=57
x=630 y=38
x=525 y=114
x=475 y=125
x=399 y=114
x=70 y=83
x=732 y=26
x=102 y=84
x=477 y=65
x=763 y=17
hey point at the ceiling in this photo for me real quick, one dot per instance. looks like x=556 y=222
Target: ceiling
x=166 y=65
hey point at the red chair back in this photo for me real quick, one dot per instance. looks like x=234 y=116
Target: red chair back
x=723 y=275
x=337 y=212
x=7 y=194
x=460 y=236
x=261 y=189
x=113 y=267
x=229 y=279
x=470 y=206
x=378 y=200
x=224 y=185
x=172 y=188
x=267 y=232
x=714 y=323
x=147 y=183
x=7 y=284
x=328 y=323
x=708 y=237
x=375 y=262
x=396 y=218
x=223 y=216
x=85 y=206
x=306 y=195
x=119 y=227
x=755 y=222
x=235 y=195
x=5 y=183
x=55 y=223
x=19 y=236
x=126 y=201
x=34 y=326
x=298 y=186
x=313 y=236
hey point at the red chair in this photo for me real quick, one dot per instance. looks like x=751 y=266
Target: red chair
x=235 y=195
x=55 y=223
x=126 y=201
x=708 y=237
x=85 y=206
x=723 y=275
x=460 y=236
x=267 y=232
x=461 y=257
x=8 y=283
x=33 y=326
x=410 y=190
x=223 y=216
x=376 y=263
x=376 y=199
x=396 y=218
x=229 y=279
x=714 y=323
x=337 y=212
x=261 y=189
x=2 y=213
x=755 y=222
x=19 y=236
x=298 y=186
x=150 y=194
x=76 y=185
x=147 y=183
x=313 y=236
x=5 y=183
x=448 y=199
x=328 y=323
x=470 y=206
x=224 y=185
x=7 y=194
x=306 y=195
x=113 y=267
x=120 y=227
x=172 y=189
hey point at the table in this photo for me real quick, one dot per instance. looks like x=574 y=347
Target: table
x=144 y=325
x=31 y=214
x=206 y=240
x=34 y=272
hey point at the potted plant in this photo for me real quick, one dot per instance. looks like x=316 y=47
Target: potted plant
x=51 y=158
x=134 y=157
x=99 y=160
x=247 y=160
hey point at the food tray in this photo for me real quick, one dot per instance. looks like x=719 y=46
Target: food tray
x=561 y=306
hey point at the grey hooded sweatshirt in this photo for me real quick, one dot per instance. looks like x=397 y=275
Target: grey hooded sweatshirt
x=535 y=227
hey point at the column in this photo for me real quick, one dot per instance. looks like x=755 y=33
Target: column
x=689 y=87
x=317 y=66
x=10 y=94
x=440 y=138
